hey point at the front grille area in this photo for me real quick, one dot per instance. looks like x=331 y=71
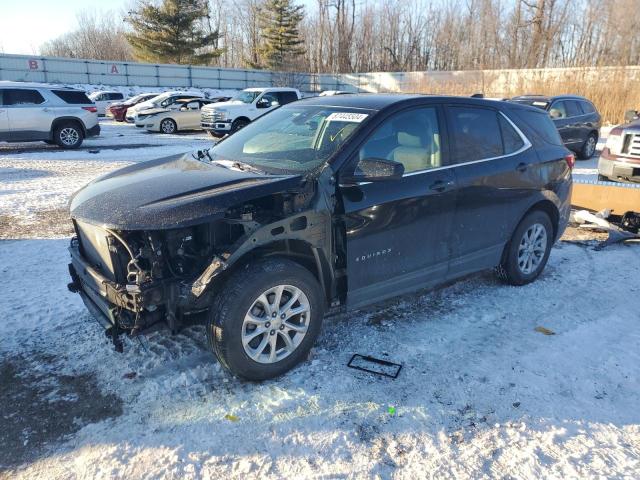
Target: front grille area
x=631 y=145
x=209 y=116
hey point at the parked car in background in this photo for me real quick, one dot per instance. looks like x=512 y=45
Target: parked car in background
x=325 y=203
x=620 y=158
x=103 y=99
x=576 y=118
x=163 y=100
x=40 y=112
x=118 y=110
x=186 y=116
x=222 y=118
x=328 y=93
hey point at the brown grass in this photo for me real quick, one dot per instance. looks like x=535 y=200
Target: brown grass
x=612 y=90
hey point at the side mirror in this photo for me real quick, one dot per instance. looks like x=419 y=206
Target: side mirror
x=373 y=170
x=263 y=103
x=630 y=116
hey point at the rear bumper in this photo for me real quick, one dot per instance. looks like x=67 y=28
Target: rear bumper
x=94 y=131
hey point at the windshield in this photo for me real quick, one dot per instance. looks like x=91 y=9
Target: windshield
x=246 y=97
x=291 y=139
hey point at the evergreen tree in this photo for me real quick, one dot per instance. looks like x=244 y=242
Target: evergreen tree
x=173 y=32
x=282 y=42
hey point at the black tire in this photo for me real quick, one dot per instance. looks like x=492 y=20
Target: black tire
x=588 y=147
x=168 y=126
x=68 y=135
x=238 y=124
x=215 y=135
x=225 y=325
x=509 y=269
x=602 y=178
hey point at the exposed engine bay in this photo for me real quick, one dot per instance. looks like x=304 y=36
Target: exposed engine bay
x=139 y=279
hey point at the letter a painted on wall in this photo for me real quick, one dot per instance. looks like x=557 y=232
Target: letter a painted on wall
x=33 y=64
x=114 y=69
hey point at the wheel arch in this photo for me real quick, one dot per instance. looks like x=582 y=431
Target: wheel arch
x=242 y=117
x=313 y=259
x=57 y=121
x=548 y=207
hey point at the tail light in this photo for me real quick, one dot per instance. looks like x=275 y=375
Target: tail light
x=90 y=109
x=570 y=158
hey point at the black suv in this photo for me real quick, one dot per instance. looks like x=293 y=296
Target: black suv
x=325 y=204
x=576 y=118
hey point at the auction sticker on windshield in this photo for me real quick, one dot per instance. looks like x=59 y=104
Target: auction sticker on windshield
x=347 y=117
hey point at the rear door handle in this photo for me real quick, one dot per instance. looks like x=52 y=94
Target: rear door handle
x=441 y=186
x=522 y=167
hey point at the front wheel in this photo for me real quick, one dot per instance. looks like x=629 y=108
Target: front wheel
x=266 y=319
x=528 y=250
x=238 y=124
x=168 y=126
x=588 y=147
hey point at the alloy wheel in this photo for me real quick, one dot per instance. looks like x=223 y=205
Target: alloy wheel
x=275 y=324
x=532 y=248
x=168 y=126
x=69 y=136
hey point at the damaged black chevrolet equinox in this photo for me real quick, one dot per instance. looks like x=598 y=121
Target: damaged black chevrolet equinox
x=325 y=204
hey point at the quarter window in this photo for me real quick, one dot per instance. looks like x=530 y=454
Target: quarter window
x=587 y=107
x=22 y=97
x=476 y=134
x=511 y=140
x=411 y=138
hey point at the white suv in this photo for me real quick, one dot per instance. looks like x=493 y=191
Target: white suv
x=222 y=118
x=38 y=112
x=103 y=99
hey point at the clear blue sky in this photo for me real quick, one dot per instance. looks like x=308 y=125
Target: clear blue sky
x=27 y=24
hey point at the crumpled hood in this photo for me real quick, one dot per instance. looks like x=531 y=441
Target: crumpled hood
x=171 y=192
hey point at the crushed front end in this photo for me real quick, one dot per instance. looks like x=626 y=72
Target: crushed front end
x=131 y=281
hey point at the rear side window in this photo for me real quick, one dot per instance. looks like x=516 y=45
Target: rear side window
x=541 y=125
x=476 y=134
x=116 y=96
x=573 y=108
x=287 y=97
x=511 y=140
x=21 y=96
x=73 y=97
x=587 y=107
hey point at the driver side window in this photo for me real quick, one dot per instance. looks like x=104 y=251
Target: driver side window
x=271 y=99
x=411 y=138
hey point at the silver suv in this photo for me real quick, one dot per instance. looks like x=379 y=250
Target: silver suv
x=38 y=112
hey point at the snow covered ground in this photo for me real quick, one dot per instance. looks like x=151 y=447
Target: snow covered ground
x=481 y=393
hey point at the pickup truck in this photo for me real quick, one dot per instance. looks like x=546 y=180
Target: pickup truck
x=225 y=118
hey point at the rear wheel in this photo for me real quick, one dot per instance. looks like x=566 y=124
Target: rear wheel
x=266 y=319
x=168 y=126
x=528 y=250
x=589 y=147
x=602 y=178
x=68 y=135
